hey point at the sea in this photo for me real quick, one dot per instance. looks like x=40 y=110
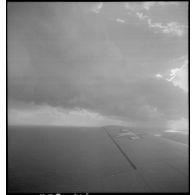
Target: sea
x=60 y=159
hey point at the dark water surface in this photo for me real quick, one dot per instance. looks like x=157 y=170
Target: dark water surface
x=111 y=159
x=45 y=159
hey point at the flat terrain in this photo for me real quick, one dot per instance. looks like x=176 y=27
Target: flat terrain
x=109 y=159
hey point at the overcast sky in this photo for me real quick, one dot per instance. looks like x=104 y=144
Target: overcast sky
x=95 y=64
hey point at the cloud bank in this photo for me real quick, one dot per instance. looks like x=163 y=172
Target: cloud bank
x=67 y=57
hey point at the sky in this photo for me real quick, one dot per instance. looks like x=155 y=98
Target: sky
x=96 y=64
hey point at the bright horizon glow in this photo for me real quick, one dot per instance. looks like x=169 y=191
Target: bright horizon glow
x=56 y=116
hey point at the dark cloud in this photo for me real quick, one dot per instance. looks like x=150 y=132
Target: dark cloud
x=65 y=55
